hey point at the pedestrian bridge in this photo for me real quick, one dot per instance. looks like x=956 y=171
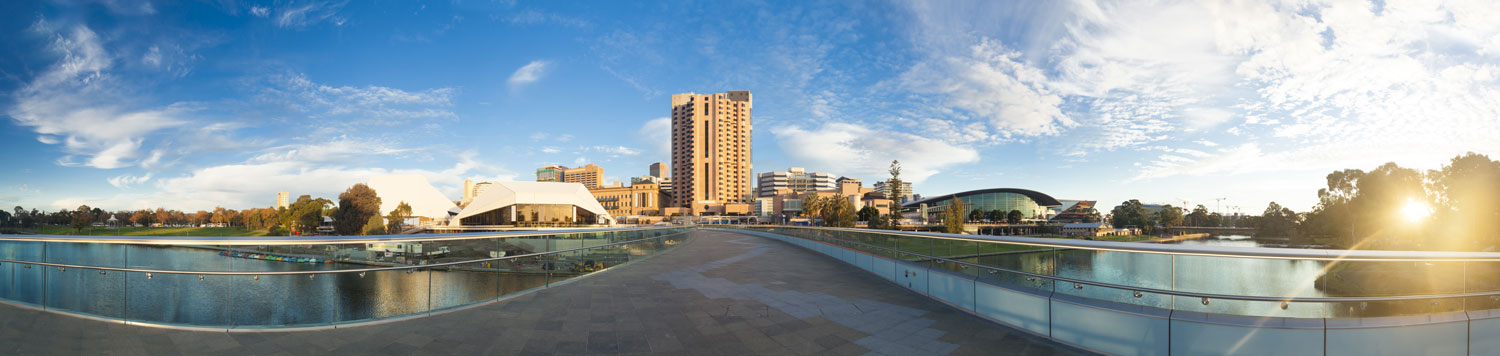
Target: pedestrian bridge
x=731 y=289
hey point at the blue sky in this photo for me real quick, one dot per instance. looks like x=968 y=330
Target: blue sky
x=140 y=104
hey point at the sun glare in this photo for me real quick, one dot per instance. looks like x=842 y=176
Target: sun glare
x=1415 y=211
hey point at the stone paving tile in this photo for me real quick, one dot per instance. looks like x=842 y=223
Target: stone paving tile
x=720 y=293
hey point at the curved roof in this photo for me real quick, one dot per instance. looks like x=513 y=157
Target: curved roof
x=503 y=194
x=415 y=190
x=1038 y=197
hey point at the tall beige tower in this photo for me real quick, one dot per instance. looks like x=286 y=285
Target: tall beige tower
x=710 y=149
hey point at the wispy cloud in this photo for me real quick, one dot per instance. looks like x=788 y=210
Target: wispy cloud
x=78 y=104
x=856 y=150
x=534 y=17
x=529 y=73
x=260 y=11
x=306 y=14
x=355 y=108
x=126 y=181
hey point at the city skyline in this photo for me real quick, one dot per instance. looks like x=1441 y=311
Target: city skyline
x=129 y=105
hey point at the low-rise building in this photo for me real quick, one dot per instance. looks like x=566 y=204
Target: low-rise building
x=796 y=179
x=1087 y=229
x=630 y=202
x=535 y=204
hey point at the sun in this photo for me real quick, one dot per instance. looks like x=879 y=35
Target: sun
x=1415 y=211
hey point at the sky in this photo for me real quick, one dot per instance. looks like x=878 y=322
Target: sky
x=1229 y=104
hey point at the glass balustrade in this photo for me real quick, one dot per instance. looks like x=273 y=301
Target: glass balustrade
x=249 y=283
x=1287 y=283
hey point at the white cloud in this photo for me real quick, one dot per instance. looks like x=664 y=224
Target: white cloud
x=76 y=103
x=992 y=83
x=260 y=11
x=657 y=134
x=616 y=151
x=529 y=73
x=855 y=150
x=254 y=183
x=125 y=181
x=550 y=150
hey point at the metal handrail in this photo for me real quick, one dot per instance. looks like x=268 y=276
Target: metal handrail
x=1182 y=293
x=351 y=270
x=260 y=240
x=1182 y=250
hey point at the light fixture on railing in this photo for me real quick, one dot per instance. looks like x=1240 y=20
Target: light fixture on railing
x=148 y=276
x=1284 y=304
x=200 y=277
x=255 y=278
x=310 y=276
x=1077 y=286
x=1205 y=300
x=361 y=275
x=1136 y=294
x=101 y=272
x=61 y=269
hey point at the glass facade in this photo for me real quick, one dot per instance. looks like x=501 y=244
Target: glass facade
x=991 y=201
x=520 y=214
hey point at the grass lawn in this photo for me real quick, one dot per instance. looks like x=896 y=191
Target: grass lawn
x=152 y=231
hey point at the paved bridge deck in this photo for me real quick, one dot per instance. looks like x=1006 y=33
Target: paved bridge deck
x=721 y=293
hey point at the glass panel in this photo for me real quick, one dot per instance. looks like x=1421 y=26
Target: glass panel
x=179 y=298
x=464 y=284
x=1120 y=268
x=380 y=294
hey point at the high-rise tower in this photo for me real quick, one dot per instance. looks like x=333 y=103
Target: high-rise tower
x=710 y=149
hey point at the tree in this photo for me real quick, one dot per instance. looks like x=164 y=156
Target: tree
x=1169 y=216
x=161 y=216
x=396 y=220
x=372 y=226
x=953 y=219
x=1467 y=192
x=894 y=223
x=1131 y=213
x=867 y=213
x=83 y=217
x=1014 y=217
x=976 y=215
x=995 y=215
x=356 y=205
x=307 y=213
x=839 y=212
x=1199 y=217
x=1277 y=221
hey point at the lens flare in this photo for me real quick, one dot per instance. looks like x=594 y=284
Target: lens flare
x=1415 y=211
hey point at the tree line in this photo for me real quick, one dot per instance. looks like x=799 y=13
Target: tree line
x=356 y=213
x=1457 y=206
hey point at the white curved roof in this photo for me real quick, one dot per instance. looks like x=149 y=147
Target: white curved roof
x=425 y=200
x=503 y=194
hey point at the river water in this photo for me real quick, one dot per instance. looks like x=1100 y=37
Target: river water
x=280 y=300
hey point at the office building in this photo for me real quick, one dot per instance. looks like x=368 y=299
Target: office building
x=660 y=170
x=283 y=199
x=590 y=176
x=711 y=151
x=902 y=195
x=552 y=173
x=796 y=179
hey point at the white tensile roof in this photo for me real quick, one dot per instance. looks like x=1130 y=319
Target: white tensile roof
x=425 y=200
x=503 y=194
